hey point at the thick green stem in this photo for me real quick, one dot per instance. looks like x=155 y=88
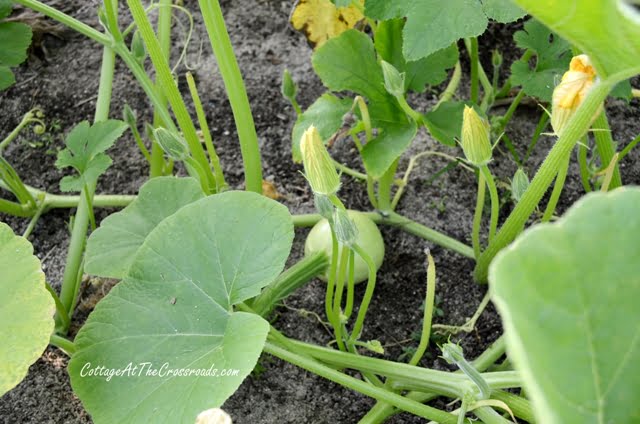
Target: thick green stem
x=73 y=267
x=156 y=161
x=575 y=129
x=368 y=293
x=605 y=147
x=477 y=217
x=557 y=191
x=381 y=411
x=520 y=406
x=289 y=281
x=452 y=87
x=206 y=134
x=361 y=386
x=15 y=209
x=62 y=313
x=169 y=86
x=495 y=201
x=65 y=344
x=232 y=77
x=428 y=312
x=512 y=109
x=489 y=416
x=337 y=299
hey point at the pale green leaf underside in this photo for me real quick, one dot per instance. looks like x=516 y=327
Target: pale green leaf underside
x=607 y=30
x=174 y=307
x=26 y=310
x=567 y=293
x=112 y=247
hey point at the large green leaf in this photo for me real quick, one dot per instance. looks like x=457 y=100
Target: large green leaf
x=430 y=70
x=26 y=310
x=503 y=11
x=15 y=39
x=607 y=30
x=445 y=123
x=175 y=307
x=112 y=247
x=568 y=296
x=348 y=63
x=553 y=55
x=431 y=25
x=326 y=114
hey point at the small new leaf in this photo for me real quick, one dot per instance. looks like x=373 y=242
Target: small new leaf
x=86 y=145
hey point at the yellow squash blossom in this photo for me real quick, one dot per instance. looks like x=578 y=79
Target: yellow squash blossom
x=571 y=91
x=318 y=165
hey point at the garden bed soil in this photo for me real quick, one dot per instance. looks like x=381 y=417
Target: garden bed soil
x=62 y=78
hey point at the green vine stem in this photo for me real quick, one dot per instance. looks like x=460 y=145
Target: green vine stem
x=28 y=118
x=337 y=298
x=628 y=148
x=429 y=300
x=65 y=345
x=452 y=86
x=378 y=393
x=542 y=124
x=232 y=77
x=169 y=87
x=477 y=216
x=557 y=190
x=156 y=160
x=289 y=281
x=576 y=128
x=381 y=411
x=348 y=310
x=368 y=293
x=606 y=147
x=495 y=201
x=221 y=184
x=73 y=267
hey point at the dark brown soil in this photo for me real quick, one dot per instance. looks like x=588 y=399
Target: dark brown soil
x=64 y=83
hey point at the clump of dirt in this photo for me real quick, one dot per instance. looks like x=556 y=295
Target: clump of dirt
x=65 y=83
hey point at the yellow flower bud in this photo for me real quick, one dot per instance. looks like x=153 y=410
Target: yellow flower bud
x=475 y=138
x=571 y=91
x=318 y=165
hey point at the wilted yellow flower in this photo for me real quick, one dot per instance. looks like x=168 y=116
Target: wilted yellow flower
x=571 y=91
x=475 y=138
x=318 y=165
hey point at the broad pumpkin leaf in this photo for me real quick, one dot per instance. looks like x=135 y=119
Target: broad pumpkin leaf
x=445 y=123
x=26 y=311
x=175 y=307
x=15 y=39
x=430 y=70
x=112 y=247
x=326 y=114
x=348 y=63
x=431 y=25
x=553 y=55
x=321 y=20
x=607 y=30
x=503 y=11
x=567 y=293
